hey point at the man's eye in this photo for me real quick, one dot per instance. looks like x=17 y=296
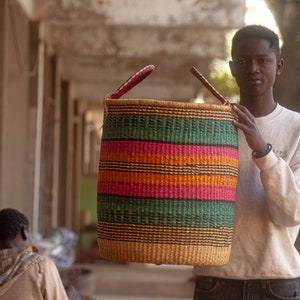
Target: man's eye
x=241 y=61
x=263 y=61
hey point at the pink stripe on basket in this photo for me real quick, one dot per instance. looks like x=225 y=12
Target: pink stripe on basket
x=167 y=191
x=166 y=149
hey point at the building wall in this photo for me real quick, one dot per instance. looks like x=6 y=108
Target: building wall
x=18 y=113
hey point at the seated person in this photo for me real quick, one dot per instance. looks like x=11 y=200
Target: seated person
x=24 y=274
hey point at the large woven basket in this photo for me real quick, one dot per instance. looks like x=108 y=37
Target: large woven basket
x=167 y=182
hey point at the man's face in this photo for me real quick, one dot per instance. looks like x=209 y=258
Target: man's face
x=254 y=66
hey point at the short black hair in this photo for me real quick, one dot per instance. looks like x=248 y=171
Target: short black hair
x=11 y=222
x=260 y=32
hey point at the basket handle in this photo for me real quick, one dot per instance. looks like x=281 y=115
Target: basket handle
x=132 y=81
x=198 y=75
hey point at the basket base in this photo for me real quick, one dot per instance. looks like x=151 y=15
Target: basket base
x=163 y=253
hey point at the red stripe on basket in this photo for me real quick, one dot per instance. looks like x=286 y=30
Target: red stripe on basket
x=166 y=148
x=167 y=191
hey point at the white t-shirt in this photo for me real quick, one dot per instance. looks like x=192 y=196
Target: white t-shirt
x=267 y=209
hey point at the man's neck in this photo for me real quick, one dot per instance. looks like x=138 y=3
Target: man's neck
x=259 y=107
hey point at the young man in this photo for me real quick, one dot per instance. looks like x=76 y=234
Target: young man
x=24 y=274
x=264 y=263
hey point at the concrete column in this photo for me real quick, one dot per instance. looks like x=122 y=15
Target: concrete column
x=2 y=33
x=15 y=175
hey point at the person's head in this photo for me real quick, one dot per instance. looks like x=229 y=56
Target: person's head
x=14 y=229
x=255 y=61
x=256 y=32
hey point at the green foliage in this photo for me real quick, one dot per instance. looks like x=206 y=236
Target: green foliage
x=220 y=74
x=222 y=80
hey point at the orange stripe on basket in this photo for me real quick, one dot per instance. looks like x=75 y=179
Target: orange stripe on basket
x=216 y=180
x=168 y=159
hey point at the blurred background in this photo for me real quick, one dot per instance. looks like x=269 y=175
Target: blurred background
x=58 y=60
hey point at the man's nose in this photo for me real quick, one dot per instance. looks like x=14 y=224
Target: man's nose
x=253 y=66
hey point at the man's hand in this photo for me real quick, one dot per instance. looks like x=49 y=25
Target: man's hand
x=246 y=123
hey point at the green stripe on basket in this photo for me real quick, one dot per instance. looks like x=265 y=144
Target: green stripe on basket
x=170 y=129
x=165 y=212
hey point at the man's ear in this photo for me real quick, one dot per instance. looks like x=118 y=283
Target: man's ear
x=279 y=66
x=231 y=68
x=24 y=233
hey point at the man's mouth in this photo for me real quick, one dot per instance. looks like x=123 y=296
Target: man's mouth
x=254 y=81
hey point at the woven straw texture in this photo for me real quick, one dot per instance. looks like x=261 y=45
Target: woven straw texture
x=167 y=182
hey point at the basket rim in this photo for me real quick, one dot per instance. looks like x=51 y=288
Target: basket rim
x=169 y=103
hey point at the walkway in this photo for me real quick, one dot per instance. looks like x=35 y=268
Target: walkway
x=133 y=281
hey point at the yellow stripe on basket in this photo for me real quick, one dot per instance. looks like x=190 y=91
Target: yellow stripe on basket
x=163 y=253
x=218 y=237
x=162 y=108
x=168 y=169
